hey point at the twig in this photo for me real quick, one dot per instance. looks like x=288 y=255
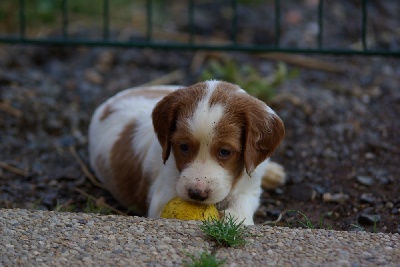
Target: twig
x=166 y=79
x=102 y=203
x=305 y=62
x=85 y=169
x=13 y=169
x=4 y=106
x=276 y=221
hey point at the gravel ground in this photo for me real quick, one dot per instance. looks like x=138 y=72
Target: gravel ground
x=44 y=238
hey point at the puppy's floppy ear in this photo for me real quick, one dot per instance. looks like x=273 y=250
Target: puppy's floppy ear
x=264 y=131
x=166 y=112
x=164 y=122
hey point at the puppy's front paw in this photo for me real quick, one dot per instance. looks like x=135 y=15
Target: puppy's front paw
x=274 y=176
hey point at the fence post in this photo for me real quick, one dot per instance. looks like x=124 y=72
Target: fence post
x=22 y=19
x=277 y=22
x=364 y=25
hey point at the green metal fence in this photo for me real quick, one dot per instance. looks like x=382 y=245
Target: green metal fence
x=149 y=40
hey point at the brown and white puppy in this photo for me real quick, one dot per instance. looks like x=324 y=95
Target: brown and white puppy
x=207 y=143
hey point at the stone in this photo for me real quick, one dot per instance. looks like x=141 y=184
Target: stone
x=368 y=219
x=365 y=180
x=395 y=211
x=367 y=198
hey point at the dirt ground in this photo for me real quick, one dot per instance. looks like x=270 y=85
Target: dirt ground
x=342 y=146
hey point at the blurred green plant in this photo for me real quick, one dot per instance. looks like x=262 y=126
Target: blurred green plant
x=205 y=259
x=308 y=224
x=248 y=77
x=93 y=207
x=65 y=207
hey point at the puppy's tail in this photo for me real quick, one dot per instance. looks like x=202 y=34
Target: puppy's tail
x=274 y=176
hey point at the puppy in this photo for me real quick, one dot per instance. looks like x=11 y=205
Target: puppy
x=207 y=143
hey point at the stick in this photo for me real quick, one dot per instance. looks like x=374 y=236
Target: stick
x=102 y=203
x=274 y=222
x=85 y=169
x=13 y=169
x=306 y=62
x=4 y=106
x=166 y=79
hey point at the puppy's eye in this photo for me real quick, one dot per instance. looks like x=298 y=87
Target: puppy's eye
x=224 y=153
x=184 y=148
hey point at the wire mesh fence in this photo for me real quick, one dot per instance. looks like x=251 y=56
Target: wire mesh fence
x=372 y=27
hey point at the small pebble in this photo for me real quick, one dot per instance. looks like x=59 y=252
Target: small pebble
x=367 y=198
x=335 y=198
x=365 y=180
x=368 y=219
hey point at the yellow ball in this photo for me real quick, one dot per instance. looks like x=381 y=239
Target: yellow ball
x=178 y=208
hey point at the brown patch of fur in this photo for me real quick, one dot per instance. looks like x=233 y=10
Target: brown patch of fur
x=177 y=106
x=223 y=93
x=262 y=132
x=184 y=136
x=128 y=184
x=106 y=112
x=228 y=135
x=263 y=136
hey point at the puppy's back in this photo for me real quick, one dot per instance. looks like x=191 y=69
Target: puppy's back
x=120 y=137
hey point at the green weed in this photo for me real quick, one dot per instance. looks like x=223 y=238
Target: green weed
x=92 y=207
x=248 y=78
x=372 y=229
x=306 y=222
x=227 y=231
x=205 y=259
x=65 y=207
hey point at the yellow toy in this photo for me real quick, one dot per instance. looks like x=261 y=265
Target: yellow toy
x=178 y=208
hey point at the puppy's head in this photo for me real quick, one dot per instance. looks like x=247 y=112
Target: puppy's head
x=216 y=132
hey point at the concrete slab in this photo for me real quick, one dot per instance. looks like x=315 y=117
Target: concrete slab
x=46 y=238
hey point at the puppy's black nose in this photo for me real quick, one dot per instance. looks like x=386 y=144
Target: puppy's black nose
x=198 y=195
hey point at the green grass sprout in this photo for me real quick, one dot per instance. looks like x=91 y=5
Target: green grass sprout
x=205 y=259
x=306 y=223
x=227 y=231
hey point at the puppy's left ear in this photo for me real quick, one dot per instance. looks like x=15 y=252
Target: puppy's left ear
x=264 y=131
